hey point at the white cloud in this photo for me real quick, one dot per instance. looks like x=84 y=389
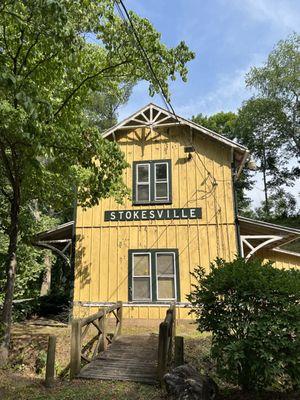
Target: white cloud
x=282 y=13
x=229 y=93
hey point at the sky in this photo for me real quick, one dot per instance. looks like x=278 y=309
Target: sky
x=228 y=37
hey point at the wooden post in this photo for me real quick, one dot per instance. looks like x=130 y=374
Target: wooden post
x=162 y=350
x=103 y=328
x=120 y=316
x=75 y=362
x=50 y=365
x=174 y=320
x=178 y=351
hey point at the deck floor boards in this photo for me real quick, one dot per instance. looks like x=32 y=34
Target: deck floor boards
x=129 y=358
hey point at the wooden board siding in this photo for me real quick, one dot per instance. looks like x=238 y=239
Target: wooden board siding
x=205 y=181
x=281 y=260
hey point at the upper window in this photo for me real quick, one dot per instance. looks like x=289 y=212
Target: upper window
x=152 y=182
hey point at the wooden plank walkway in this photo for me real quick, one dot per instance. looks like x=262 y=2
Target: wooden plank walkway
x=129 y=358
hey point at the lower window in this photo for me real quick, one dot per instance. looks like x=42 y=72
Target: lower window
x=153 y=275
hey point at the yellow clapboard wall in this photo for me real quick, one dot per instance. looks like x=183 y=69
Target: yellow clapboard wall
x=281 y=260
x=101 y=271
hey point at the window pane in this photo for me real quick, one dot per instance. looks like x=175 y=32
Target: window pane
x=161 y=171
x=165 y=264
x=143 y=173
x=162 y=190
x=141 y=288
x=141 y=264
x=166 y=289
x=143 y=192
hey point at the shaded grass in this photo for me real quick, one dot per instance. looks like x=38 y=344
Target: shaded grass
x=14 y=387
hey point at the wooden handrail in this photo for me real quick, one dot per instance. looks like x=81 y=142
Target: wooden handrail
x=99 y=342
x=165 y=341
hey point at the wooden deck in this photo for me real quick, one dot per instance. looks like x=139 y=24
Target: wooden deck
x=129 y=358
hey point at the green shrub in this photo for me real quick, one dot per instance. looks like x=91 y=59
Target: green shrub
x=253 y=312
x=53 y=304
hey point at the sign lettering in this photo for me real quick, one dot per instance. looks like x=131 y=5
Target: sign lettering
x=166 y=213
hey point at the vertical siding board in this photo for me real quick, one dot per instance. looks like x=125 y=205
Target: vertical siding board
x=285 y=261
x=78 y=264
x=113 y=266
x=104 y=264
x=184 y=265
x=95 y=240
x=196 y=204
x=85 y=272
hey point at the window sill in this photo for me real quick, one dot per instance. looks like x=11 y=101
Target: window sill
x=152 y=303
x=134 y=203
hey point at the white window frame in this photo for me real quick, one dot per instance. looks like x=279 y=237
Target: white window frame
x=166 y=275
x=161 y=181
x=141 y=276
x=137 y=183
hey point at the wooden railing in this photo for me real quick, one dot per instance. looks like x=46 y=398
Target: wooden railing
x=85 y=344
x=166 y=341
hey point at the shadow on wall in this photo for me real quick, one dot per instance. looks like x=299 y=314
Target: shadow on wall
x=82 y=272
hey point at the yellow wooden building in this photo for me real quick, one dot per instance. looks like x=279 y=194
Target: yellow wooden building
x=181 y=213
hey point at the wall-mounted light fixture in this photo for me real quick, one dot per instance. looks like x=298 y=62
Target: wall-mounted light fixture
x=189 y=150
x=251 y=164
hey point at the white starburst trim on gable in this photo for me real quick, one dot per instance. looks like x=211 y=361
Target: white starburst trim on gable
x=153 y=116
x=150 y=116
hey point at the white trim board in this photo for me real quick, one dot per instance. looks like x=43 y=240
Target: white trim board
x=103 y=304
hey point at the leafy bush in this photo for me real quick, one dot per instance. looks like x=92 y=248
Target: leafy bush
x=54 y=304
x=253 y=312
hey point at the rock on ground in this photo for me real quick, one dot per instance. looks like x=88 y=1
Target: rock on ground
x=185 y=383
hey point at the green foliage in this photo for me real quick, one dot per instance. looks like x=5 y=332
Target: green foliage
x=279 y=80
x=40 y=362
x=282 y=205
x=262 y=126
x=30 y=259
x=54 y=304
x=221 y=122
x=253 y=312
x=101 y=107
x=47 y=72
x=52 y=81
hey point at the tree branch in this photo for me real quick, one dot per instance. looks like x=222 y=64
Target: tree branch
x=5 y=42
x=12 y=14
x=18 y=51
x=28 y=52
x=75 y=90
x=7 y=164
x=39 y=63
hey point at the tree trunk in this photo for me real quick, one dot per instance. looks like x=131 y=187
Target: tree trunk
x=11 y=269
x=266 y=193
x=46 y=284
x=267 y=208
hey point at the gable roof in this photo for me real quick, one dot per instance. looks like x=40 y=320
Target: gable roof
x=155 y=116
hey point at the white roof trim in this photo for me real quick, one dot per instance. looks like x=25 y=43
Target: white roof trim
x=154 y=121
x=269 y=225
x=292 y=253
